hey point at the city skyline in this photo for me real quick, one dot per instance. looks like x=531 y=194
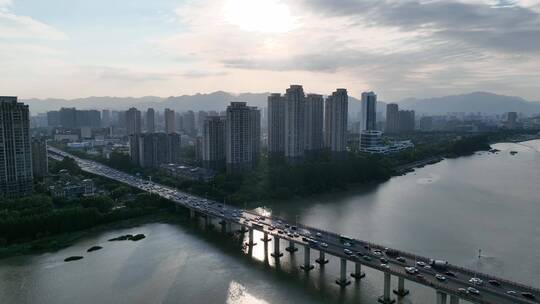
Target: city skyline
x=493 y=48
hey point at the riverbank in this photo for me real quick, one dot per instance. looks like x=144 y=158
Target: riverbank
x=61 y=241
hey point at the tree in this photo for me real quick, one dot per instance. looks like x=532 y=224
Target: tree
x=68 y=164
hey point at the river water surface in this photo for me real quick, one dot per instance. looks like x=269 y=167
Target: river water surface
x=447 y=210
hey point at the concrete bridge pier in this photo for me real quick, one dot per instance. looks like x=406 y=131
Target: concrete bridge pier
x=277 y=254
x=250 y=241
x=321 y=260
x=401 y=291
x=191 y=213
x=207 y=220
x=307 y=259
x=358 y=274
x=266 y=239
x=385 y=298
x=441 y=297
x=229 y=227
x=454 y=299
x=223 y=224
x=291 y=249
x=342 y=281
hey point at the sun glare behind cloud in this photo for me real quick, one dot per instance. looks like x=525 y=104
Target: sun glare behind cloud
x=266 y=16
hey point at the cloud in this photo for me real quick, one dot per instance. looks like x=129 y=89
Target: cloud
x=501 y=25
x=14 y=26
x=396 y=46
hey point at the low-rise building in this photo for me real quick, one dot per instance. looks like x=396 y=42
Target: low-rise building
x=189 y=172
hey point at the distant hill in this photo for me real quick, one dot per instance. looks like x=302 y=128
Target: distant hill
x=474 y=102
x=218 y=101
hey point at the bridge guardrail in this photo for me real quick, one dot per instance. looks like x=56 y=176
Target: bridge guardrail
x=373 y=245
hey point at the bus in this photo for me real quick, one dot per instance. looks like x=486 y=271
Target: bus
x=346 y=239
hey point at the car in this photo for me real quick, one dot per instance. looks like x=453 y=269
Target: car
x=512 y=293
x=296 y=235
x=280 y=231
x=271 y=228
x=494 y=283
x=347 y=251
x=287 y=225
x=378 y=252
x=385 y=265
x=324 y=245
x=294 y=227
x=401 y=259
x=440 y=277
x=420 y=276
x=476 y=281
x=421 y=264
x=473 y=291
x=347 y=244
x=384 y=260
x=411 y=270
x=367 y=257
x=528 y=295
x=318 y=234
x=450 y=274
x=462 y=290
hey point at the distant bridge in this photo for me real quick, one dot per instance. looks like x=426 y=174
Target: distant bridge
x=456 y=284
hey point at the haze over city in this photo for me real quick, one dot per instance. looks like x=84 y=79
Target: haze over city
x=400 y=49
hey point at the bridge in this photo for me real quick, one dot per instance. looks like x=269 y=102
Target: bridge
x=449 y=282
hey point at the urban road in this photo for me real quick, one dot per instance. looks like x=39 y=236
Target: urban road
x=448 y=281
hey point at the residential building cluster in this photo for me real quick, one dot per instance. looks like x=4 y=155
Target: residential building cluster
x=232 y=141
x=301 y=125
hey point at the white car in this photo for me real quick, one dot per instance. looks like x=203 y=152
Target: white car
x=476 y=281
x=473 y=290
x=440 y=277
x=411 y=270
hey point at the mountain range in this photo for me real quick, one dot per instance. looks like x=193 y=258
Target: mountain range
x=483 y=102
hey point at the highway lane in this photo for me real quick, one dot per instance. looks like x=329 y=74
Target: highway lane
x=456 y=279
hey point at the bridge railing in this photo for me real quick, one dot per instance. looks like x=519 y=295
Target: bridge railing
x=398 y=252
x=412 y=256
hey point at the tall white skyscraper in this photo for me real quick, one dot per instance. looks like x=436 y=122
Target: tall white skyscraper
x=15 y=149
x=150 y=120
x=295 y=102
x=242 y=137
x=369 y=111
x=336 y=114
x=314 y=121
x=170 y=121
x=276 y=126
x=133 y=121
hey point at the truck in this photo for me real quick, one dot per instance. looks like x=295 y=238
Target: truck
x=438 y=264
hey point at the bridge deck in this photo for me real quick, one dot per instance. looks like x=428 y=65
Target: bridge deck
x=362 y=252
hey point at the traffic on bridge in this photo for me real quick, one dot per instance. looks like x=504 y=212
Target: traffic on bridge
x=448 y=281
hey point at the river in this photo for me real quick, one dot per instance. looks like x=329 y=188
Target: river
x=447 y=210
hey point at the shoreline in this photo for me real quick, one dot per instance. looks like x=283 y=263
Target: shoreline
x=60 y=241
x=64 y=240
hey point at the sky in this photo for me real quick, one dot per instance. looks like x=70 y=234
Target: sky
x=397 y=48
